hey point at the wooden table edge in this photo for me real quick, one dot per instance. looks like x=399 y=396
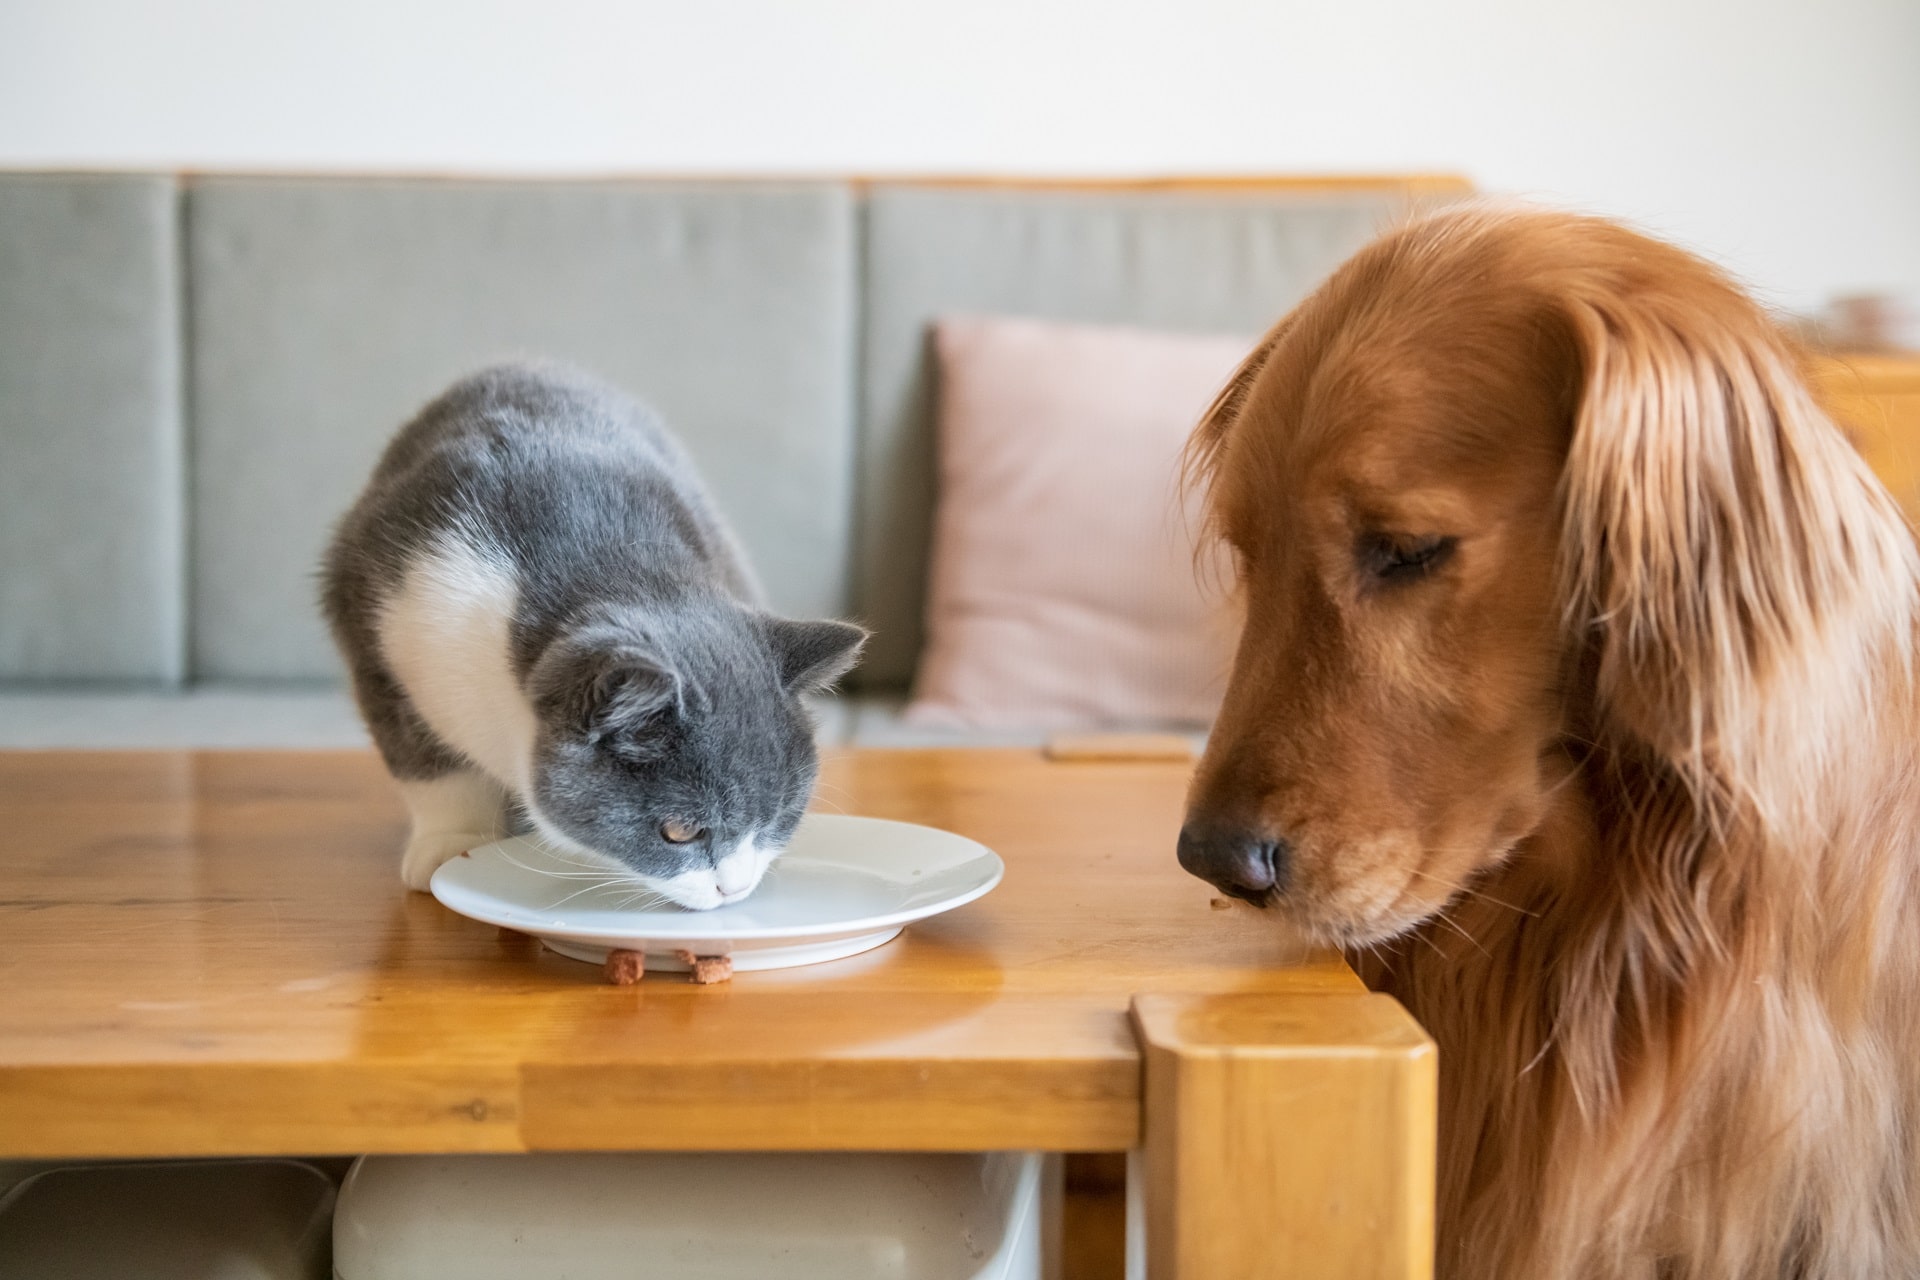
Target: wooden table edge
x=1094 y=1103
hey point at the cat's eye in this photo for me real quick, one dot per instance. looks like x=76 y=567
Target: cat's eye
x=674 y=831
x=1394 y=558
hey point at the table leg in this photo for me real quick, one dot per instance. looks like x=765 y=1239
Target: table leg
x=1286 y=1136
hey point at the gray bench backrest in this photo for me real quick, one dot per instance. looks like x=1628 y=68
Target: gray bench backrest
x=92 y=565
x=196 y=376
x=321 y=314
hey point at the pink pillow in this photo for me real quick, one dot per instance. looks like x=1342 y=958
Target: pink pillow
x=1064 y=590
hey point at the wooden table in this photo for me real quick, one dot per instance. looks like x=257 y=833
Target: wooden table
x=211 y=953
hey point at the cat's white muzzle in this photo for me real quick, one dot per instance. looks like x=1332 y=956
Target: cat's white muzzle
x=731 y=878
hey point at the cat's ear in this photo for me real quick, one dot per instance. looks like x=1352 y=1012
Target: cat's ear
x=812 y=655
x=633 y=689
x=599 y=692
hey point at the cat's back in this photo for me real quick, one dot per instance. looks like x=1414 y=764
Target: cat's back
x=547 y=466
x=517 y=418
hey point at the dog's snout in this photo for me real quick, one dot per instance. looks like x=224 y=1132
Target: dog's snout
x=1239 y=863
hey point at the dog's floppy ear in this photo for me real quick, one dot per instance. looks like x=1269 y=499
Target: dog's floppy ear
x=1729 y=561
x=1202 y=455
x=1200 y=460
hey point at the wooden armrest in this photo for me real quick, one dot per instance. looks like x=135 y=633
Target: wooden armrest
x=1287 y=1136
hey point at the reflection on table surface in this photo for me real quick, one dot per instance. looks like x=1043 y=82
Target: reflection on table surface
x=213 y=952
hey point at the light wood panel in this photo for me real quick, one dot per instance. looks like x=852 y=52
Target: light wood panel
x=212 y=954
x=1289 y=1137
x=1412 y=186
x=1877 y=399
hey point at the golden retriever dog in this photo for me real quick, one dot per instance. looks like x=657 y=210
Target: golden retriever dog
x=1576 y=703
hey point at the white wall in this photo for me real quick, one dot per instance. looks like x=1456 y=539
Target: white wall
x=1783 y=136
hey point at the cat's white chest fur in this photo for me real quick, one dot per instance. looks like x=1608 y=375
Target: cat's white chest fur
x=444 y=635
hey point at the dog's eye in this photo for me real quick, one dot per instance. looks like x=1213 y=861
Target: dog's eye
x=674 y=831
x=1388 y=557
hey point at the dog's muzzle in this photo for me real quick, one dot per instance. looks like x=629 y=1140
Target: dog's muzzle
x=1239 y=863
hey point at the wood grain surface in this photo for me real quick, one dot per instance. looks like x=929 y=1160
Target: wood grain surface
x=211 y=953
x=1288 y=1138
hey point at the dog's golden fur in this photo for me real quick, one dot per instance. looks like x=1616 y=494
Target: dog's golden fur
x=1619 y=795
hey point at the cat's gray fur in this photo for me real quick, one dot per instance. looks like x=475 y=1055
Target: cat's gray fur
x=533 y=533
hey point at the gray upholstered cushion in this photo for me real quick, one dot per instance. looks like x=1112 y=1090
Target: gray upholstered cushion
x=1203 y=263
x=90 y=510
x=323 y=312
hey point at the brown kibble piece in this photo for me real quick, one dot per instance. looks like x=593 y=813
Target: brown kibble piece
x=711 y=969
x=625 y=967
x=1219 y=904
x=705 y=969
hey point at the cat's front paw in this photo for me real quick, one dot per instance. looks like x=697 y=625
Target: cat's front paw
x=428 y=849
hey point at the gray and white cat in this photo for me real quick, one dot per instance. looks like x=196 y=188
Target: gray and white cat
x=542 y=610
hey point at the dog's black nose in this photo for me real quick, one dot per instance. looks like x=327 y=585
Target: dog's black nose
x=1237 y=862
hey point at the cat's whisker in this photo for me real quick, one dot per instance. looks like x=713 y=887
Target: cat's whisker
x=561 y=855
x=549 y=845
x=597 y=878
x=835 y=799
x=610 y=884
x=599 y=873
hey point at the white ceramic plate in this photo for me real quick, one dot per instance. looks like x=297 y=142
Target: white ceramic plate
x=844 y=885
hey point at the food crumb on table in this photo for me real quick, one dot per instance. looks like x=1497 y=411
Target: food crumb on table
x=706 y=970
x=625 y=967
x=710 y=969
